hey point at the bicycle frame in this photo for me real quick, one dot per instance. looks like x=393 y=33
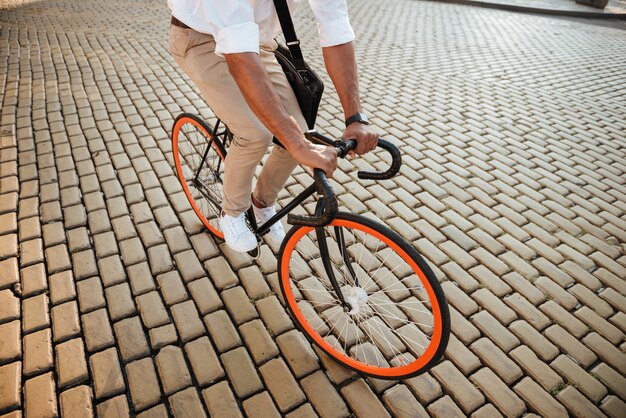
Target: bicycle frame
x=342 y=148
x=295 y=202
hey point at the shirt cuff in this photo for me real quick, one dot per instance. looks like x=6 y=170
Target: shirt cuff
x=336 y=32
x=243 y=37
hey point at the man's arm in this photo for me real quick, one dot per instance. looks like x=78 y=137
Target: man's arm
x=258 y=90
x=341 y=66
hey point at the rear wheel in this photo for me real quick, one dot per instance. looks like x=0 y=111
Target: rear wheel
x=199 y=159
x=395 y=321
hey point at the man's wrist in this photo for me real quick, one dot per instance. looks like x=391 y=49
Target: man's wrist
x=351 y=110
x=358 y=117
x=294 y=142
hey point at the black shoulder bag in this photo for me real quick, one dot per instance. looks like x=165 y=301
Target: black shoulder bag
x=307 y=86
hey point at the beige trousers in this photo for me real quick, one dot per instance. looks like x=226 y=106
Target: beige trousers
x=195 y=54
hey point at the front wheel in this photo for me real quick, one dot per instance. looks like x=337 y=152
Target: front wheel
x=391 y=320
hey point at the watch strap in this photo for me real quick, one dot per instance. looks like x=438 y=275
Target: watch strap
x=357 y=117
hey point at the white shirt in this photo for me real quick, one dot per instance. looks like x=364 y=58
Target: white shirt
x=243 y=25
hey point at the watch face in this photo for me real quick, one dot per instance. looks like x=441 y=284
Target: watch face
x=363 y=118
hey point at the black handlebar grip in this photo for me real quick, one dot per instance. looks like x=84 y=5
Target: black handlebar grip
x=394 y=168
x=330 y=204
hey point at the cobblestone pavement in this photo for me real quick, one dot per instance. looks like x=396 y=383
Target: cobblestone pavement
x=115 y=301
x=615 y=9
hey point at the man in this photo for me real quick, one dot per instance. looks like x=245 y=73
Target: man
x=227 y=49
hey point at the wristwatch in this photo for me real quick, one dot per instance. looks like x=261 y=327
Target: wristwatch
x=357 y=117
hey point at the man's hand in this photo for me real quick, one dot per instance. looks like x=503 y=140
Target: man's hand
x=366 y=137
x=316 y=156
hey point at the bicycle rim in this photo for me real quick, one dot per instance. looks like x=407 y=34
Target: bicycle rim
x=200 y=169
x=398 y=324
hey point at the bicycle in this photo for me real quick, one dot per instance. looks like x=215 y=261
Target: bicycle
x=383 y=314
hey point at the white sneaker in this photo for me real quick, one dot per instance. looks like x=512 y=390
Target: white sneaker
x=237 y=234
x=277 y=233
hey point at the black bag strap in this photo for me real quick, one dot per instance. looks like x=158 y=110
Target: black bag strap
x=282 y=10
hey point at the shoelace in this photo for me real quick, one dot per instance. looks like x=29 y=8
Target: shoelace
x=236 y=225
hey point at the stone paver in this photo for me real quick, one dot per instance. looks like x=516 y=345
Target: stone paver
x=241 y=372
x=119 y=301
x=106 y=373
x=204 y=361
x=62 y=288
x=115 y=301
x=9 y=306
x=114 y=407
x=11 y=347
x=37 y=352
x=10 y=383
x=402 y=403
x=462 y=391
x=172 y=369
x=296 y=350
x=220 y=400
x=187 y=320
x=538 y=400
x=35 y=314
x=258 y=340
x=262 y=405
x=71 y=363
x=131 y=339
x=159 y=411
x=537 y=369
x=187 y=403
x=444 y=407
x=143 y=383
x=503 y=398
x=362 y=400
x=76 y=402
x=97 y=330
x=323 y=396
x=152 y=310
x=40 y=398
x=281 y=384
x=222 y=331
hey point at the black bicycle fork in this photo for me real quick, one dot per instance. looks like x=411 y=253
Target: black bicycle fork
x=326 y=260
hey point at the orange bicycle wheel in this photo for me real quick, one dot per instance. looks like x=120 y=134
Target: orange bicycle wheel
x=200 y=168
x=396 y=324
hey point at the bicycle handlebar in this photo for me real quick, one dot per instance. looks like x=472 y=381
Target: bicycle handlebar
x=343 y=147
x=330 y=204
x=323 y=186
x=396 y=159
